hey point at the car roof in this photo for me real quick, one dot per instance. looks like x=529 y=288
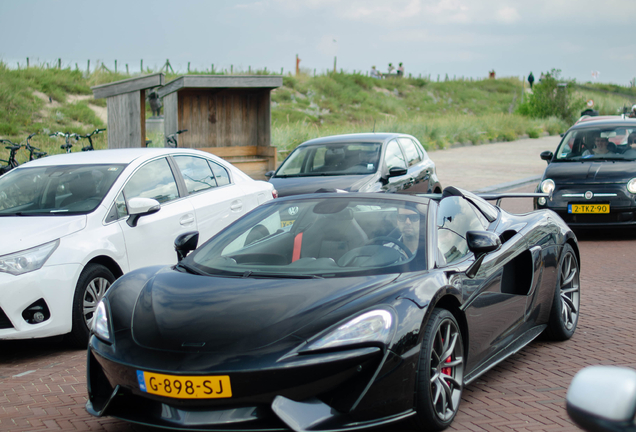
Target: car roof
x=356 y=137
x=615 y=121
x=111 y=156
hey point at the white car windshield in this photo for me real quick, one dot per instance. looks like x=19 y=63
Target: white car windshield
x=319 y=237
x=598 y=143
x=55 y=190
x=332 y=159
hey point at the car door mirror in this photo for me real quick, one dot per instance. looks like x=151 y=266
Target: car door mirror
x=480 y=243
x=138 y=207
x=603 y=398
x=547 y=156
x=269 y=174
x=397 y=171
x=186 y=243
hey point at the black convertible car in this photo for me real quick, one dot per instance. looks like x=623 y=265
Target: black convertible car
x=332 y=312
x=592 y=174
x=362 y=162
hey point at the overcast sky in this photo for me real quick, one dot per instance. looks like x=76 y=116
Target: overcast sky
x=456 y=37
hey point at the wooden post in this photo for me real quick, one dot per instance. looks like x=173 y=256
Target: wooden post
x=249 y=70
x=127 y=72
x=281 y=71
x=142 y=109
x=59 y=63
x=141 y=68
x=334 y=64
x=27 y=62
x=188 y=67
x=88 y=67
x=115 y=66
x=231 y=69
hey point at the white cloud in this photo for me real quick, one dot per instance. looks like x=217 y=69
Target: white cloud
x=508 y=15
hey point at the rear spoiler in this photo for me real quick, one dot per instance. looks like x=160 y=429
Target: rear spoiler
x=499 y=196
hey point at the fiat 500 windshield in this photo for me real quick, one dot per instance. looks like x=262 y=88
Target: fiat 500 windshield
x=607 y=143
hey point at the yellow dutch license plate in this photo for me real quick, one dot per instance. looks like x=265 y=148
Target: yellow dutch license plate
x=588 y=208
x=283 y=224
x=185 y=387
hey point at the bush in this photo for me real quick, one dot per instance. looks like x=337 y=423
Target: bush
x=552 y=97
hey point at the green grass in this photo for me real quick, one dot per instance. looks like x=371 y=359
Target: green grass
x=439 y=114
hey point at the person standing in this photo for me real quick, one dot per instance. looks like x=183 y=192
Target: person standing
x=400 y=70
x=375 y=73
x=391 y=68
x=531 y=80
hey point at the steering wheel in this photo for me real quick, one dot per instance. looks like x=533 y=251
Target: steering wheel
x=387 y=239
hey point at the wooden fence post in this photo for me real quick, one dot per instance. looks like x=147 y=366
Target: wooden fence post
x=59 y=63
x=188 y=67
x=127 y=72
x=88 y=67
x=142 y=66
x=115 y=66
x=27 y=62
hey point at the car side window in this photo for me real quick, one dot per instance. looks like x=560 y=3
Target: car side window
x=196 y=172
x=412 y=155
x=455 y=217
x=153 y=180
x=220 y=173
x=394 y=156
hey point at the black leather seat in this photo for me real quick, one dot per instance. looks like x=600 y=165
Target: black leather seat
x=332 y=235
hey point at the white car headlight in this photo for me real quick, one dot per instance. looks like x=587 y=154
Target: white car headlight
x=631 y=185
x=373 y=326
x=101 y=326
x=27 y=260
x=547 y=186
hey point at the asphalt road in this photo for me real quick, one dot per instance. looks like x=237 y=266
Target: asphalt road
x=43 y=384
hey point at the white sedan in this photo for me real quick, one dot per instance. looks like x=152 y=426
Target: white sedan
x=71 y=224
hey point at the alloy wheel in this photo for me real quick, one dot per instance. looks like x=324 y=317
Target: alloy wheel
x=447 y=369
x=94 y=292
x=569 y=291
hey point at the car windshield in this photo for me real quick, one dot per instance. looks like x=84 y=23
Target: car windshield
x=55 y=190
x=319 y=237
x=332 y=159
x=609 y=143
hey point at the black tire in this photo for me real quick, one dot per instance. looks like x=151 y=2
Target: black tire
x=91 y=287
x=567 y=298
x=441 y=373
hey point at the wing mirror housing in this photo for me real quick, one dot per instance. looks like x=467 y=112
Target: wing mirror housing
x=480 y=243
x=269 y=174
x=547 y=156
x=186 y=243
x=397 y=171
x=138 y=207
x=603 y=398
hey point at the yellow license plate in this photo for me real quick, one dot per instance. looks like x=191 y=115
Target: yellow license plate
x=588 y=208
x=185 y=387
x=283 y=224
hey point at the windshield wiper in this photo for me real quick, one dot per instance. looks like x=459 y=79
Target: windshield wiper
x=189 y=269
x=251 y=274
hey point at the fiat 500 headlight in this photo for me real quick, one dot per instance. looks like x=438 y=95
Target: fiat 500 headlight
x=27 y=260
x=372 y=326
x=101 y=325
x=547 y=186
x=631 y=185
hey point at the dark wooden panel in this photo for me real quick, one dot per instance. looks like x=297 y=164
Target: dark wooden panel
x=128 y=85
x=124 y=125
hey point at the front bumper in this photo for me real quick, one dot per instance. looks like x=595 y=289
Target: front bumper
x=54 y=285
x=319 y=391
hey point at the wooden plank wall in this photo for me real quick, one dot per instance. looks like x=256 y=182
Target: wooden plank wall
x=223 y=117
x=124 y=126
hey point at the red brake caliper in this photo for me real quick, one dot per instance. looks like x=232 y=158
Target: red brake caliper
x=447 y=371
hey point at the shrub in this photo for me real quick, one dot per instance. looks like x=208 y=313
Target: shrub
x=552 y=97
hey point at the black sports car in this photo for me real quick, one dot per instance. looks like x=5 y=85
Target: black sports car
x=592 y=174
x=332 y=312
x=363 y=162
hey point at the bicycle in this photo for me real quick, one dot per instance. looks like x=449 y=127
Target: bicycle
x=90 y=147
x=34 y=152
x=12 y=162
x=171 y=140
x=67 y=145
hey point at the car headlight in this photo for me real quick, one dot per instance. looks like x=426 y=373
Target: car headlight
x=631 y=185
x=101 y=326
x=27 y=260
x=373 y=326
x=547 y=186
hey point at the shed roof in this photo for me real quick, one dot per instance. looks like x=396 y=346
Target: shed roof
x=128 y=85
x=221 y=81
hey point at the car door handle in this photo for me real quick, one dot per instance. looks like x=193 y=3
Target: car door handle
x=410 y=182
x=186 y=219
x=237 y=206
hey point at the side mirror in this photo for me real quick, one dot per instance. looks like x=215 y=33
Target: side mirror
x=547 y=156
x=138 y=207
x=269 y=174
x=603 y=398
x=480 y=243
x=397 y=171
x=562 y=135
x=186 y=243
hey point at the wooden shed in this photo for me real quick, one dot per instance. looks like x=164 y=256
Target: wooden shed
x=126 y=105
x=229 y=116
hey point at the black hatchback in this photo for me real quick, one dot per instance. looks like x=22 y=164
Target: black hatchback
x=364 y=162
x=592 y=174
